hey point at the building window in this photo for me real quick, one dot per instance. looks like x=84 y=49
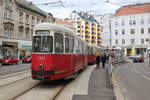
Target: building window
x=8 y=13
x=116 y=23
x=142 y=41
x=8 y=30
x=149 y=30
x=33 y=20
x=132 y=41
x=37 y=20
x=142 y=30
x=122 y=23
x=20 y=32
x=27 y=18
x=123 y=32
x=134 y=22
x=132 y=31
x=42 y=21
x=149 y=21
x=20 y=16
x=116 y=32
x=31 y=34
x=27 y=33
x=116 y=41
x=123 y=41
x=130 y=22
x=142 y=21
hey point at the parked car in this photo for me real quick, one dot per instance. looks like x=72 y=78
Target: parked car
x=9 y=60
x=27 y=59
x=1 y=59
x=131 y=57
x=138 y=58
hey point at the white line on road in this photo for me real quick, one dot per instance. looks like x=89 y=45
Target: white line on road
x=134 y=69
x=146 y=77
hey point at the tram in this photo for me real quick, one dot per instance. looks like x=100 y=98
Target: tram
x=57 y=52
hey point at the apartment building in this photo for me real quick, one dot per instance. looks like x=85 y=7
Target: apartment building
x=87 y=27
x=17 y=19
x=130 y=28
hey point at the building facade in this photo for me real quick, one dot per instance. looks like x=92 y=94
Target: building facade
x=130 y=28
x=105 y=22
x=17 y=19
x=87 y=27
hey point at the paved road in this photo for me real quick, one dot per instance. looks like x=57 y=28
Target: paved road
x=10 y=69
x=134 y=80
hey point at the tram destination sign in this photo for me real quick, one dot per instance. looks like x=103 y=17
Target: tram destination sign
x=42 y=32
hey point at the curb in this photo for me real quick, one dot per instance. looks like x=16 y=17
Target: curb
x=117 y=88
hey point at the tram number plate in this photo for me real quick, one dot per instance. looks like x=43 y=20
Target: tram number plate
x=40 y=77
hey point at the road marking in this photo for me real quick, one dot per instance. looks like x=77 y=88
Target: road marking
x=117 y=89
x=146 y=77
x=134 y=69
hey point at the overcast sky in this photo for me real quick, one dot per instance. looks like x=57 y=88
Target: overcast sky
x=63 y=8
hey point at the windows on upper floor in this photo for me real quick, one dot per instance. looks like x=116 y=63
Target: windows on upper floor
x=116 y=41
x=27 y=18
x=123 y=23
x=123 y=41
x=132 y=41
x=33 y=20
x=8 y=14
x=37 y=20
x=116 y=23
x=123 y=31
x=20 y=16
x=142 y=21
x=142 y=41
x=142 y=30
x=116 y=32
x=149 y=30
x=27 y=33
x=148 y=20
x=132 y=22
x=132 y=31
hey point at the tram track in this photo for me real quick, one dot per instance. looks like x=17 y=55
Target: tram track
x=44 y=91
x=9 y=79
x=18 y=85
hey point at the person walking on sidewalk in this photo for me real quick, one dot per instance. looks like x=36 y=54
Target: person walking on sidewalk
x=103 y=59
x=98 y=58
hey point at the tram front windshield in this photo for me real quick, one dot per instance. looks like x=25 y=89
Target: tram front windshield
x=42 y=44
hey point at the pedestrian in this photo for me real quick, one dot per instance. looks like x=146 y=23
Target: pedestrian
x=103 y=59
x=107 y=58
x=98 y=60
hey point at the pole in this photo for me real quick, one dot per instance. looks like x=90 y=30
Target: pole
x=110 y=32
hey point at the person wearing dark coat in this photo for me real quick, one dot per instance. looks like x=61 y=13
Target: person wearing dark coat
x=98 y=61
x=103 y=60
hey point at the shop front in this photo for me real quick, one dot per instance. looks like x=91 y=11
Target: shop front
x=9 y=48
x=25 y=48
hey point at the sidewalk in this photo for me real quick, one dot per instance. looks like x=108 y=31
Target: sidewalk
x=99 y=87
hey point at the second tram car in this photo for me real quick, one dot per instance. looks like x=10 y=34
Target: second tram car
x=57 y=52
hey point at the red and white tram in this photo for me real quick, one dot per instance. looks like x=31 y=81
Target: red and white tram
x=57 y=52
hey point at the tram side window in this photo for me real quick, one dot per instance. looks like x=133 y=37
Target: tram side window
x=76 y=46
x=66 y=45
x=36 y=44
x=47 y=44
x=80 y=47
x=58 y=43
x=71 y=45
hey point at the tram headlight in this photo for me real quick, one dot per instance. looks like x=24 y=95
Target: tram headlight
x=41 y=66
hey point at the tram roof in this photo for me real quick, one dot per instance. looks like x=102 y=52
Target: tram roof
x=56 y=27
x=53 y=27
